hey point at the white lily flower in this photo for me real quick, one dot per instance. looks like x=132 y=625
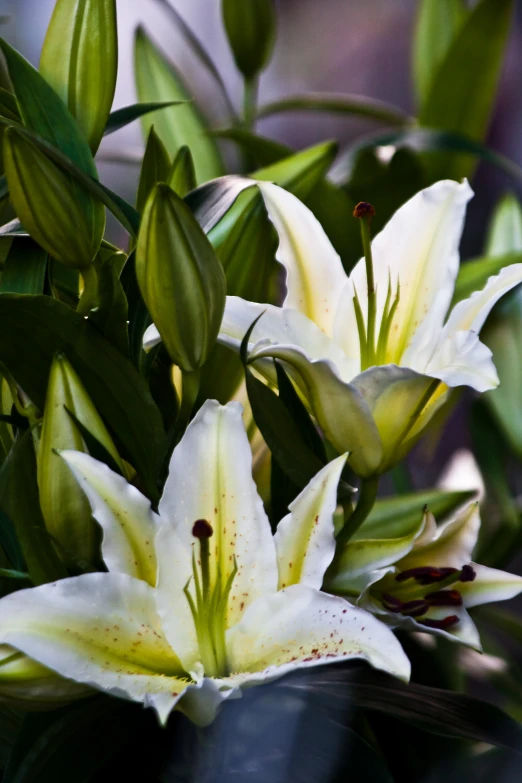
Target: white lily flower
x=372 y=387
x=423 y=579
x=200 y=600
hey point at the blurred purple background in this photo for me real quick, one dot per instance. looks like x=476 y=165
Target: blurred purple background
x=323 y=45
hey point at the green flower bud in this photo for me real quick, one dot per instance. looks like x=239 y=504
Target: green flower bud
x=65 y=508
x=250 y=26
x=27 y=685
x=80 y=60
x=46 y=201
x=182 y=178
x=181 y=279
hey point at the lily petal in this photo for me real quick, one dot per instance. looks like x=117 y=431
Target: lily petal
x=151 y=338
x=101 y=630
x=489 y=585
x=418 y=249
x=455 y=350
x=365 y=556
x=280 y=325
x=128 y=521
x=396 y=396
x=305 y=540
x=465 y=631
x=301 y=627
x=452 y=545
x=340 y=408
x=175 y=572
x=211 y=478
x=314 y=272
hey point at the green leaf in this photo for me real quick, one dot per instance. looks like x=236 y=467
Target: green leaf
x=199 y=51
x=390 y=517
x=438 y=22
x=333 y=103
x=138 y=316
x=424 y=140
x=122 y=117
x=464 y=88
x=19 y=499
x=154 y=168
x=9 y=105
x=111 y=314
x=80 y=60
x=10 y=544
x=251 y=30
x=24 y=269
x=298 y=173
x=74 y=744
x=44 y=112
x=10 y=724
x=431 y=709
x=33 y=329
x=505 y=228
x=157 y=80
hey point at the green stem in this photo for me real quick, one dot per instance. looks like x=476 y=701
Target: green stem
x=372 y=299
x=250 y=102
x=89 y=297
x=367 y=497
x=189 y=392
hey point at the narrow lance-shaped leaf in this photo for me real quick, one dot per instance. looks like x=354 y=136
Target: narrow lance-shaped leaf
x=503 y=328
x=24 y=269
x=437 y=24
x=157 y=80
x=80 y=60
x=34 y=328
x=464 y=88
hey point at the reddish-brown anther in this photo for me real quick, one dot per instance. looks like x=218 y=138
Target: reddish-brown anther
x=202 y=529
x=467 y=574
x=426 y=575
x=441 y=625
x=364 y=210
x=444 y=598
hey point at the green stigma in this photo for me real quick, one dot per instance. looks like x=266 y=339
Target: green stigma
x=208 y=604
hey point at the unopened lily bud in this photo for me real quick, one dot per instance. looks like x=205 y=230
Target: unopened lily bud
x=181 y=279
x=182 y=177
x=46 y=201
x=27 y=685
x=80 y=60
x=65 y=508
x=250 y=26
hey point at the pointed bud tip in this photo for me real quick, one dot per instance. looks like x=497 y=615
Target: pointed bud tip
x=202 y=529
x=364 y=210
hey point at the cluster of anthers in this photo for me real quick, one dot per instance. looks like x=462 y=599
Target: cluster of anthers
x=412 y=600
